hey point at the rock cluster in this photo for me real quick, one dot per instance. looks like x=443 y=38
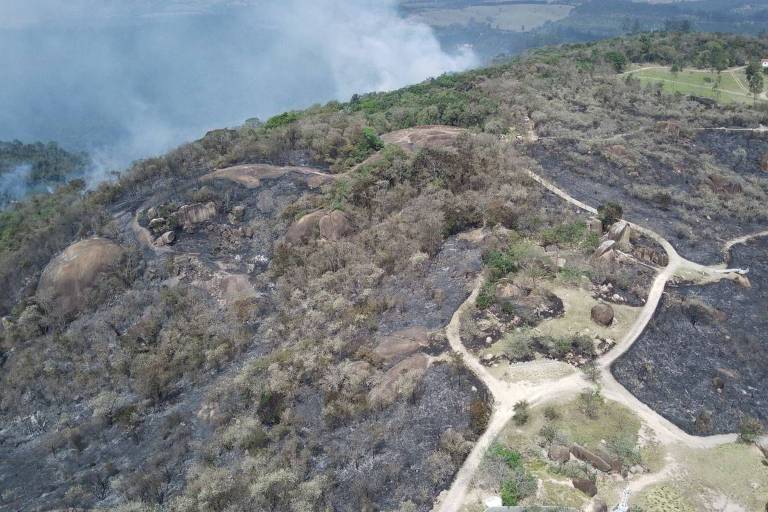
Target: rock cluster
x=616 y=239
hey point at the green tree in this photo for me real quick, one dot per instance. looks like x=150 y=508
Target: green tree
x=755 y=83
x=618 y=60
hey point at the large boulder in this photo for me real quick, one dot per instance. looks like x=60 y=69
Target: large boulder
x=620 y=233
x=332 y=225
x=304 y=228
x=400 y=380
x=585 y=485
x=402 y=343
x=191 y=214
x=585 y=455
x=508 y=291
x=602 y=314
x=67 y=278
x=605 y=249
x=559 y=453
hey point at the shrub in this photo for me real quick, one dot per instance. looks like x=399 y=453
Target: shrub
x=750 y=429
x=517 y=348
x=479 y=414
x=551 y=413
x=590 y=402
x=610 y=213
x=522 y=412
x=510 y=457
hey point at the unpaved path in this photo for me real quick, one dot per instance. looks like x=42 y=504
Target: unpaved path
x=506 y=394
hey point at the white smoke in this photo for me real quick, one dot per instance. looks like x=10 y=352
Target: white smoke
x=129 y=79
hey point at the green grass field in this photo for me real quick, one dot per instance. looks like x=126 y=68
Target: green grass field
x=699 y=83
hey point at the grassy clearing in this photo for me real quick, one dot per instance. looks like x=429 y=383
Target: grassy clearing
x=577 y=320
x=698 y=83
x=731 y=472
x=572 y=424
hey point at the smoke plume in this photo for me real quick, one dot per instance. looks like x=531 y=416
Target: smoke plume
x=125 y=80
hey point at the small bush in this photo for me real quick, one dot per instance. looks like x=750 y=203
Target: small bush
x=551 y=413
x=750 y=429
x=522 y=412
x=590 y=402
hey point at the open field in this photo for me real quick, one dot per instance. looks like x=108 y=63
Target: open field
x=699 y=83
x=514 y=18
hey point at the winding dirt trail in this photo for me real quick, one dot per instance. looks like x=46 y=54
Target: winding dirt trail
x=506 y=394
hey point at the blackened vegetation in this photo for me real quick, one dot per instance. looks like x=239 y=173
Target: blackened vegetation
x=694 y=192
x=701 y=361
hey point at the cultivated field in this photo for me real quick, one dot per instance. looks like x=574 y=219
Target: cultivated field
x=698 y=82
x=515 y=18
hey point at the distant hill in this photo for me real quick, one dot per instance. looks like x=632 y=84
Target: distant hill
x=511 y=27
x=38 y=167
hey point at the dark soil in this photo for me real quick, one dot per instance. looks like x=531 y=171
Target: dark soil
x=596 y=180
x=704 y=339
x=431 y=299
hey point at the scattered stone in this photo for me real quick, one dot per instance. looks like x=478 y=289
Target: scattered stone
x=507 y=291
x=764 y=167
x=602 y=314
x=585 y=485
x=493 y=501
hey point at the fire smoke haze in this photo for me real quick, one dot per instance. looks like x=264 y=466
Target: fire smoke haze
x=129 y=79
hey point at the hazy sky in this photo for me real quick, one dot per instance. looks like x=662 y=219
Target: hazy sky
x=127 y=79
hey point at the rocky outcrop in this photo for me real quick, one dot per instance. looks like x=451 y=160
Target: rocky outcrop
x=400 y=380
x=650 y=255
x=402 y=343
x=334 y=225
x=67 y=278
x=602 y=314
x=327 y=225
